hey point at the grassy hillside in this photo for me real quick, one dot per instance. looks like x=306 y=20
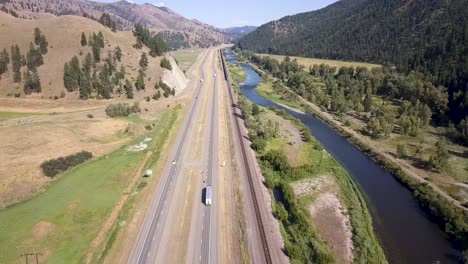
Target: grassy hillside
x=63 y=35
x=308 y=62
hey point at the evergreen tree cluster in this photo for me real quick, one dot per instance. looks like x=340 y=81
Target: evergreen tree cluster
x=144 y=36
x=96 y=77
x=96 y=42
x=107 y=21
x=33 y=59
x=174 y=40
x=427 y=36
x=348 y=88
x=167 y=91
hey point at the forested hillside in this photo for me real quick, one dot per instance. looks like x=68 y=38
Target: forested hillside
x=429 y=36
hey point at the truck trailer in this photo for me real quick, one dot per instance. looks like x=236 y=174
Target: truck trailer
x=208 y=194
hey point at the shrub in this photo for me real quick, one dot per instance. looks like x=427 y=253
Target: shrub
x=90 y=115
x=55 y=166
x=165 y=63
x=402 y=152
x=122 y=109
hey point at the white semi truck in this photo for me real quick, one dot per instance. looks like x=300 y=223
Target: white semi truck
x=208 y=194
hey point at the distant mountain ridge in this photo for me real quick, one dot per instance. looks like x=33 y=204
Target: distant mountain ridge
x=178 y=30
x=240 y=31
x=430 y=36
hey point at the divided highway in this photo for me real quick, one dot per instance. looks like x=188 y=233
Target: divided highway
x=178 y=226
x=145 y=249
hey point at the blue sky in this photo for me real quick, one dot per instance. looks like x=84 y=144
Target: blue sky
x=236 y=13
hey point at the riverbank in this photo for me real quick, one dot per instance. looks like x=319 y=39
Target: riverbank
x=305 y=242
x=448 y=212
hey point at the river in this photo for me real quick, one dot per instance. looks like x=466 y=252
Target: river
x=405 y=231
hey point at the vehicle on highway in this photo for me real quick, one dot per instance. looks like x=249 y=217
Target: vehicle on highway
x=208 y=194
x=201 y=80
x=173 y=162
x=214 y=75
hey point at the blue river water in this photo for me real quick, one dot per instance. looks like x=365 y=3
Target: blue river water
x=405 y=230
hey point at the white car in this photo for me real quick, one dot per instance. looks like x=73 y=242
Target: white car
x=173 y=162
x=214 y=75
x=201 y=80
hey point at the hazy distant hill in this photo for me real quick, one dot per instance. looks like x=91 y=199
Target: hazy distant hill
x=240 y=31
x=430 y=36
x=178 y=30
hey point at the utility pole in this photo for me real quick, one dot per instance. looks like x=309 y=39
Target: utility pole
x=33 y=255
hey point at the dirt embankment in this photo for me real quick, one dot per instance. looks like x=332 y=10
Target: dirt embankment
x=176 y=78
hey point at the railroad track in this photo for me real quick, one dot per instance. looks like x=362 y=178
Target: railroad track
x=258 y=215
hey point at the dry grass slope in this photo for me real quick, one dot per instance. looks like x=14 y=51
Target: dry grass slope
x=334 y=63
x=64 y=34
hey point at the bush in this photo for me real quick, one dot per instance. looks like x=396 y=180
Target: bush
x=165 y=63
x=122 y=109
x=402 y=152
x=55 y=166
x=90 y=115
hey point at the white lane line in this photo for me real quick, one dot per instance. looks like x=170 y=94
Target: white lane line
x=149 y=253
x=154 y=237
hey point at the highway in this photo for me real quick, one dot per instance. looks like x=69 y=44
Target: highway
x=153 y=227
x=178 y=226
x=159 y=229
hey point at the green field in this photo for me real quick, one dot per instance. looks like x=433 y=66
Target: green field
x=62 y=221
x=15 y=115
x=265 y=89
x=335 y=63
x=186 y=57
x=237 y=73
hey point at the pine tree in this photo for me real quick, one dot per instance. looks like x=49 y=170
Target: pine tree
x=16 y=59
x=143 y=61
x=83 y=39
x=85 y=87
x=40 y=40
x=367 y=102
x=440 y=159
x=140 y=82
x=96 y=51
x=34 y=58
x=100 y=39
x=32 y=83
x=128 y=89
x=87 y=65
x=4 y=61
x=118 y=53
